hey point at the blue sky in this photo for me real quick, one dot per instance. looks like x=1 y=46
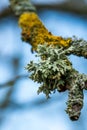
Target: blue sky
x=48 y=117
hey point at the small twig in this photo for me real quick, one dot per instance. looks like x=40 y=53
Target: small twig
x=13 y=81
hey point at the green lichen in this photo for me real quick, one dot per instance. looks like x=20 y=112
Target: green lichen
x=54 y=72
x=21 y=6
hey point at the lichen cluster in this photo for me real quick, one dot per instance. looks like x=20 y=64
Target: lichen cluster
x=54 y=72
x=51 y=70
x=35 y=33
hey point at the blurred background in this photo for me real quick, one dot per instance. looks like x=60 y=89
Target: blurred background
x=20 y=106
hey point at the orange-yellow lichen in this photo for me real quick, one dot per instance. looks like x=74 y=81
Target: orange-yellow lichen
x=34 y=32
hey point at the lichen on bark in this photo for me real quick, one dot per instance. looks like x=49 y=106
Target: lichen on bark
x=35 y=33
x=54 y=70
x=20 y=6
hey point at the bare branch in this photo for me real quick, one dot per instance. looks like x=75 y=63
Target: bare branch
x=13 y=81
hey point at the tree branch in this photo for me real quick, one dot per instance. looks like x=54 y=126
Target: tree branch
x=54 y=71
x=13 y=81
x=68 y=6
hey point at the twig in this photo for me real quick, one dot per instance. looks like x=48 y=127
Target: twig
x=13 y=81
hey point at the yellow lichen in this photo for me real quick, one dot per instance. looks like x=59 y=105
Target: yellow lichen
x=34 y=32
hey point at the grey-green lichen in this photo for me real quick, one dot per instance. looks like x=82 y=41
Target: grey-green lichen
x=78 y=47
x=54 y=72
x=51 y=70
x=21 y=6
